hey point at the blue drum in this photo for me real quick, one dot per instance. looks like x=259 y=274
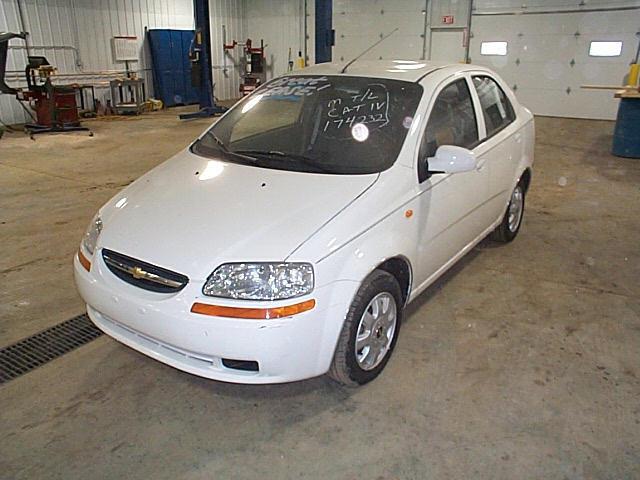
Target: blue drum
x=626 y=137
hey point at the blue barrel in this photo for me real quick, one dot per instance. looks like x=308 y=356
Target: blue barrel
x=626 y=137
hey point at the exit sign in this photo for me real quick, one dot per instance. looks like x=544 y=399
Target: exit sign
x=447 y=19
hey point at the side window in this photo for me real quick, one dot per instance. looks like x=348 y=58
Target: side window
x=452 y=120
x=496 y=107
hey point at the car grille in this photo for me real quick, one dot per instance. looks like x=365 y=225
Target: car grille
x=143 y=274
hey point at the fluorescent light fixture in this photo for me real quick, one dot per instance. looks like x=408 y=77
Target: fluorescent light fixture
x=493 y=48
x=605 y=49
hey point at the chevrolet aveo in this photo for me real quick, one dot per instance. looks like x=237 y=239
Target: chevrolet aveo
x=286 y=241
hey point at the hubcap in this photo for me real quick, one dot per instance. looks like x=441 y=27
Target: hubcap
x=376 y=330
x=515 y=209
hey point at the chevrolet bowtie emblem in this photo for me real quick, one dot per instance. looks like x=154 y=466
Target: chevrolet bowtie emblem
x=138 y=273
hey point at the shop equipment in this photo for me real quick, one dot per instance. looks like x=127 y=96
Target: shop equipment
x=4 y=48
x=200 y=58
x=253 y=72
x=55 y=106
x=128 y=95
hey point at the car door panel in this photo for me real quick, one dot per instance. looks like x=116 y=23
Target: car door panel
x=499 y=149
x=451 y=207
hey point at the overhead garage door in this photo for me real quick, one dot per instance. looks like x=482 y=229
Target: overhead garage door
x=547 y=56
x=361 y=23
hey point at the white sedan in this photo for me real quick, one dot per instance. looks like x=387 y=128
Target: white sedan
x=286 y=241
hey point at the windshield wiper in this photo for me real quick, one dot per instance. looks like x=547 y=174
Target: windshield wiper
x=225 y=149
x=219 y=142
x=293 y=156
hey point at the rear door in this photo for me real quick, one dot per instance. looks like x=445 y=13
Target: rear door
x=500 y=144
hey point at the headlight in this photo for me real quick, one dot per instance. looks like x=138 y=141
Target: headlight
x=260 y=281
x=91 y=235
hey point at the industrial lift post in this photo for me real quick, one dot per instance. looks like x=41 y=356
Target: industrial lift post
x=200 y=55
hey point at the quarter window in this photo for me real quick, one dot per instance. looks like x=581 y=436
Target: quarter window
x=452 y=120
x=496 y=107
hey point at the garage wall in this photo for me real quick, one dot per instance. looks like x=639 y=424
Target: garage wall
x=360 y=23
x=548 y=41
x=547 y=54
x=84 y=29
x=281 y=24
x=548 y=59
x=228 y=17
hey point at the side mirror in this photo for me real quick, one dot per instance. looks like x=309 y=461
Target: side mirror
x=452 y=159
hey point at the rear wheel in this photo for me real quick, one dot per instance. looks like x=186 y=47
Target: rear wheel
x=510 y=225
x=369 y=332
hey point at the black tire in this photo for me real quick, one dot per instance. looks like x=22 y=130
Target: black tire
x=344 y=367
x=503 y=233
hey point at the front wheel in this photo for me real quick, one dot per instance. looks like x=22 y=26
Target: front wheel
x=510 y=225
x=369 y=332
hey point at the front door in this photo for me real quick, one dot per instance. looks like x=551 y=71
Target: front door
x=452 y=207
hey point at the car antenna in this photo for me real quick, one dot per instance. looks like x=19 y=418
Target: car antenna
x=344 y=69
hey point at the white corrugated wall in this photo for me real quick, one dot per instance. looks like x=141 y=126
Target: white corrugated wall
x=280 y=23
x=228 y=17
x=83 y=31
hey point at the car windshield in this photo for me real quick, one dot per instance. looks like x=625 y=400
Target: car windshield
x=322 y=124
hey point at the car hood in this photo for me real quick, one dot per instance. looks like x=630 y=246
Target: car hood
x=190 y=214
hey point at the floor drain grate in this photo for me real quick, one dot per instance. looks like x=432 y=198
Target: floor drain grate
x=38 y=349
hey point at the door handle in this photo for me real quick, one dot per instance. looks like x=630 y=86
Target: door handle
x=518 y=137
x=480 y=165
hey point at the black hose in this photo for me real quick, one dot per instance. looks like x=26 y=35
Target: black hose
x=28 y=112
x=8 y=127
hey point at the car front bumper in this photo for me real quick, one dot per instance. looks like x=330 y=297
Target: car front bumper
x=163 y=327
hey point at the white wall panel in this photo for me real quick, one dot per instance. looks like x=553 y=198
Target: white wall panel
x=548 y=58
x=493 y=6
x=280 y=23
x=360 y=23
x=230 y=14
x=459 y=9
x=90 y=25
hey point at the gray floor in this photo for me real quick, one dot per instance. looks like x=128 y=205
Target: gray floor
x=523 y=362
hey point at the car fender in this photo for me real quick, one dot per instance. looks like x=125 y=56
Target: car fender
x=343 y=256
x=528 y=145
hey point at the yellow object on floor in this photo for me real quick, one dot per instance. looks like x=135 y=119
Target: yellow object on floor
x=634 y=72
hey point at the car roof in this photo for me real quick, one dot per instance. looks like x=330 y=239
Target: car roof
x=408 y=70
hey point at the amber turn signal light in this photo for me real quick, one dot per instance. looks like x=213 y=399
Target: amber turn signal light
x=84 y=261
x=253 y=313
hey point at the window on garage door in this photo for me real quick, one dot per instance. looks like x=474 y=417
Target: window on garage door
x=496 y=107
x=452 y=120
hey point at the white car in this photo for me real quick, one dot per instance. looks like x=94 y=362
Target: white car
x=285 y=242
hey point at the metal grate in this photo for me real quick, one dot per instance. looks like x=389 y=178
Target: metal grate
x=38 y=349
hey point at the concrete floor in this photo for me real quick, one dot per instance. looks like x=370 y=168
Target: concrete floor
x=523 y=362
